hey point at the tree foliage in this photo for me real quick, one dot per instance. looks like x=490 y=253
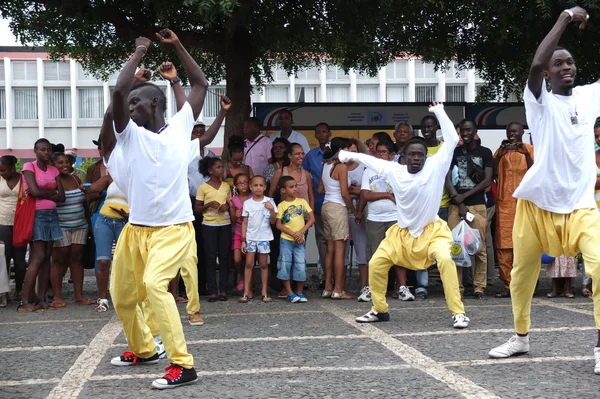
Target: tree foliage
x=240 y=40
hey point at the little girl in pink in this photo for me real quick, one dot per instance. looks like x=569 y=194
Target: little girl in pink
x=242 y=186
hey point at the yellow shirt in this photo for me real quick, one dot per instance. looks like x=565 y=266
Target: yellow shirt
x=207 y=193
x=292 y=214
x=445 y=196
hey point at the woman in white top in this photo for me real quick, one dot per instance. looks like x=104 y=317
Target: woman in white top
x=337 y=203
x=10 y=182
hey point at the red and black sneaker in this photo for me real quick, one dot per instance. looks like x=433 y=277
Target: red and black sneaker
x=130 y=359
x=176 y=376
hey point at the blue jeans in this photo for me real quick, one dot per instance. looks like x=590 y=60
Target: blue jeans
x=292 y=260
x=106 y=231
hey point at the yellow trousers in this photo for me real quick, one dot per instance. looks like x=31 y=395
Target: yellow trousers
x=400 y=248
x=537 y=231
x=145 y=260
x=189 y=274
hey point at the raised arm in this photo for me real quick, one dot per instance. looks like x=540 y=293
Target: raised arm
x=451 y=139
x=380 y=166
x=192 y=70
x=120 y=104
x=212 y=131
x=168 y=72
x=546 y=48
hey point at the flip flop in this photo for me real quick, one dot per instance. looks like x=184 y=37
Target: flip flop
x=551 y=295
x=57 y=305
x=85 y=302
x=569 y=295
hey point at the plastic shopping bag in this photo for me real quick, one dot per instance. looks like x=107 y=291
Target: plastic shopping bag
x=472 y=240
x=467 y=242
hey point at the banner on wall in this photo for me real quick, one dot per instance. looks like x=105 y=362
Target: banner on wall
x=385 y=115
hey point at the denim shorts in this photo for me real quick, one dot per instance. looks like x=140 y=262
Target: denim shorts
x=46 y=226
x=106 y=231
x=291 y=260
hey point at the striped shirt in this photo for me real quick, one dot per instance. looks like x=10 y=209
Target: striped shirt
x=71 y=214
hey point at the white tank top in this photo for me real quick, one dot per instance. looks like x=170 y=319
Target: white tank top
x=333 y=192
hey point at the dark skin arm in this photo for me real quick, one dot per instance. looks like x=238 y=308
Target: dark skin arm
x=41 y=193
x=479 y=188
x=544 y=52
x=212 y=131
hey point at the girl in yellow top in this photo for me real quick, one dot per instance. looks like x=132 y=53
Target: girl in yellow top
x=212 y=201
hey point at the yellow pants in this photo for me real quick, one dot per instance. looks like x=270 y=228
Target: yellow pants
x=537 y=231
x=145 y=260
x=189 y=274
x=400 y=248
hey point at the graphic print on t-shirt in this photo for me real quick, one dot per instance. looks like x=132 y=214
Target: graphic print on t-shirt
x=377 y=184
x=292 y=212
x=464 y=181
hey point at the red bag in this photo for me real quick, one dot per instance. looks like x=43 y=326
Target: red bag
x=24 y=215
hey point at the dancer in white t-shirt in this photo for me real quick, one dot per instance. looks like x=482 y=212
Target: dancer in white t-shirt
x=556 y=212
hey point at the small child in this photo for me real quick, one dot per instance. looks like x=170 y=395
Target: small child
x=241 y=182
x=290 y=221
x=258 y=213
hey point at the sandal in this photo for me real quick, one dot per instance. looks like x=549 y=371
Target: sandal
x=341 y=295
x=24 y=307
x=266 y=298
x=283 y=294
x=223 y=297
x=551 y=295
x=503 y=294
x=244 y=299
x=568 y=295
x=181 y=299
x=212 y=298
x=85 y=301
x=325 y=294
x=586 y=293
x=57 y=305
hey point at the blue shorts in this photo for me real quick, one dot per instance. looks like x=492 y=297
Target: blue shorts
x=46 y=226
x=106 y=231
x=292 y=260
x=262 y=247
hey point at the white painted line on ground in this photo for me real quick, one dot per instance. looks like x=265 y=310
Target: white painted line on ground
x=488 y=331
x=419 y=308
x=266 y=339
x=282 y=313
x=415 y=358
x=8 y=323
x=74 y=379
x=563 y=306
x=41 y=348
x=267 y=370
x=519 y=359
x=36 y=381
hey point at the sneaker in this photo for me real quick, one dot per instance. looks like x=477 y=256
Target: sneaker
x=460 y=321
x=421 y=296
x=373 y=317
x=404 y=294
x=514 y=346
x=160 y=348
x=130 y=359
x=195 y=319
x=293 y=298
x=597 y=360
x=365 y=294
x=302 y=298
x=176 y=376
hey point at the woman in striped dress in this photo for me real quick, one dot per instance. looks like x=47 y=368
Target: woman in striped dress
x=74 y=219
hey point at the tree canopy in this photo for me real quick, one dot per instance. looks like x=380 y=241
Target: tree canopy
x=238 y=40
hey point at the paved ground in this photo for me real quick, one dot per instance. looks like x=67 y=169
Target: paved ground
x=312 y=350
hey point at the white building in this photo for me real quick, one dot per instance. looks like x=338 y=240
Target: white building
x=63 y=103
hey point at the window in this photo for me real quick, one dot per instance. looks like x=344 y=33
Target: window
x=396 y=70
x=455 y=94
x=212 y=104
x=58 y=103
x=24 y=70
x=2 y=70
x=82 y=74
x=308 y=94
x=424 y=94
x=424 y=70
x=396 y=93
x=2 y=104
x=338 y=94
x=25 y=103
x=57 y=71
x=367 y=93
x=91 y=102
x=335 y=73
x=276 y=94
x=454 y=72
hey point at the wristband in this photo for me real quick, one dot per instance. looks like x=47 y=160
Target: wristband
x=570 y=14
x=144 y=47
x=175 y=81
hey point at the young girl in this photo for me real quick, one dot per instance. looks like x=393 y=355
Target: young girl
x=212 y=201
x=259 y=214
x=242 y=186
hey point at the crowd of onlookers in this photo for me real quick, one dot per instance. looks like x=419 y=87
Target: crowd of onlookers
x=256 y=206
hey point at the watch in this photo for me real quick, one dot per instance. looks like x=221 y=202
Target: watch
x=175 y=81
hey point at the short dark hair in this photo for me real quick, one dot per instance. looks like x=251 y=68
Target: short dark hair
x=388 y=145
x=382 y=136
x=432 y=117
x=258 y=177
x=597 y=123
x=57 y=155
x=515 y=123
x=255 y=121
x=461 y=124
x=285 y=142
x=286 y=111
x=9 y=160
x=416 y=141
x=235 y=144
x=41 y=141
x=206 y=164
x=283 y=181
x=157 y=91
x=337 y=143
x=322 y=124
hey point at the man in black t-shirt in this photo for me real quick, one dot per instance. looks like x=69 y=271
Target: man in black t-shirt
x=470 y=174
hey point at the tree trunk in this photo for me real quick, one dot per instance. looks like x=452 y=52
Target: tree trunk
x=237 y=72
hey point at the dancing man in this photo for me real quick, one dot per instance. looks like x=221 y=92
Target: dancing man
x=556 y=212
x=160 y=235
x=420 y=237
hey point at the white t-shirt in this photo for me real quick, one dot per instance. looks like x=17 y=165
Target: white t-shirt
x=383 y=210
x=259 y=223
x=153 y=173
x=295 y=137
x=417 y=195
x=563 y=176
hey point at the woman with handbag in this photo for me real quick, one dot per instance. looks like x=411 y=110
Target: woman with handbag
x=43 y=184
x=74 y=220
x=10 y=189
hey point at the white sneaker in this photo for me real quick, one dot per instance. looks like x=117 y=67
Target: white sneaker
x=404 y=294
x=365 y=294
x=514 y=346
x=160 y=348
x=460 y=320
x=597 y=360
x=373 y=317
